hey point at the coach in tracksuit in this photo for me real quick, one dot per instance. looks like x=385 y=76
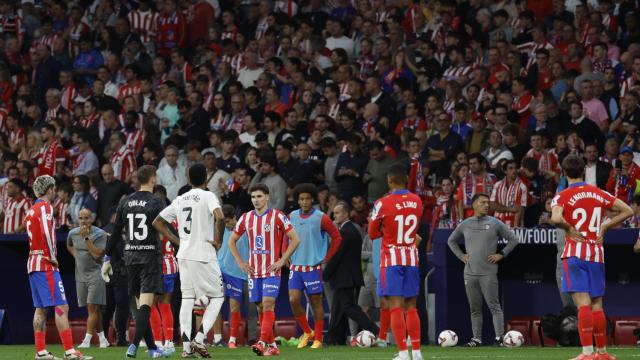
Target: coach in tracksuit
x=481 y=234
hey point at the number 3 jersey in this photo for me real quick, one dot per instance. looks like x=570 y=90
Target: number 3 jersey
x=193 y=212
x=583 y=207
x=135 y=216
x=396 y=217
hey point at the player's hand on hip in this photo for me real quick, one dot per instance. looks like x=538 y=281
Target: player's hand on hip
x=495 y=258
x=465 y=258
x=244 y=266
x=575 y=235
x=106 y=271
x=276 y=265
x=53 y=262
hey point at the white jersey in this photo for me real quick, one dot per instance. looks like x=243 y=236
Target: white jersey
x=193 y=211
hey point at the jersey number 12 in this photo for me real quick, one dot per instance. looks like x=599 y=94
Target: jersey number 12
x=404 y=235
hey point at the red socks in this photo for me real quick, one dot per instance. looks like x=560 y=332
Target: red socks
x=167 y=320
x=40 y=342
x=304 y=324
x=260 y=319
x=266 y=328
x=385 y=319
x=585 y=325
x=413 y=327
x=234 y=324
x=399 y=328
x=67 y=339
x=155 y=323
x=318 y=328
x=600 y=329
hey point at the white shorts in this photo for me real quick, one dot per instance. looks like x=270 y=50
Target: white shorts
x=200 y=278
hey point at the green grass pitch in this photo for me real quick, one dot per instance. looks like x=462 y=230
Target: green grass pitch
x=343 y=352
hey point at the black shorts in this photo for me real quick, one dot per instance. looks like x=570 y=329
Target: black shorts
x=145 y=278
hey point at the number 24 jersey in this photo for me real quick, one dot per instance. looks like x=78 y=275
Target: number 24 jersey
x=396 y=217
x=583 y=207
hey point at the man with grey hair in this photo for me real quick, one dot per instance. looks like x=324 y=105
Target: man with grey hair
x=249 y=74
x=481 y=234
x=172 y=175
x=53 y=99
x=86 y=244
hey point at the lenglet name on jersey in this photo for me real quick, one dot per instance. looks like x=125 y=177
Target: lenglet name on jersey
x=406 y=204
x=585 y=195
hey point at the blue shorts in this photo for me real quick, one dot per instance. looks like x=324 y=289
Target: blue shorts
x=169 y=282
x=233 y=287
x=47 y=289
x=263 y=287
x=583 y=277
x=309 y=282
x=399 y=281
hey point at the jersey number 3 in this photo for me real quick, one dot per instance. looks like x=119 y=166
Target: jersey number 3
x=580 y=215
x=404 y=235
x=138 y=231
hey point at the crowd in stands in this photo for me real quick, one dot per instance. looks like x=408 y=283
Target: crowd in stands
x=472 y=96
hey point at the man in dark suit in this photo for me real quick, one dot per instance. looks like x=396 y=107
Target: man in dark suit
x=385 y=102
x=345 y=277
x=596 y=171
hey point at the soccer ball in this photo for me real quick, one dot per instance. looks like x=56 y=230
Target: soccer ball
x=448 y=338
x=513 y=339
x=365 y=339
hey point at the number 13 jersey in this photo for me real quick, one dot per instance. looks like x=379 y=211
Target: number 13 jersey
x=396 y=217
x=135 y=215
x=583 y=207
x=193 y=212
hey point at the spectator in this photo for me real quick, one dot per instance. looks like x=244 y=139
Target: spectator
x=172 y=175
x=478 y=181
x=110 y=191
x=61 y=206
x=350 y=169
x=81 y=199
x=375 y=175
x=86 y=244
x=440 y=144
x=623 y=176
x=596 y=171
x=228 y=161
x=52 y=155
x=496 y=150
x=267 y=175
x=15 y=207
x=586 y=129
x=86 y=160
x=122 y=159
x=509 y=196
x=216 y=178
x=287 y=166
x=237 y=190
x=46 y=73
x=331 y=154
x=593 y=108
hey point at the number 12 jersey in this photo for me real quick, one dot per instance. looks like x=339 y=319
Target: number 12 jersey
x=583 y=207
x=396 y=218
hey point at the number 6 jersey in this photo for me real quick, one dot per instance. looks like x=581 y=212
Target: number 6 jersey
x=396 y=218
x=193 y=212
x=583 y=207
x=135 y=215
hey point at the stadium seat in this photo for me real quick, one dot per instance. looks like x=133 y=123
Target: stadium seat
x=536 y=340
x=286 y=328
x=523 y=326
x=78 y=329
x=623 y=333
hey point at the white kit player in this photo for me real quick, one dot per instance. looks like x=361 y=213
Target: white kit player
x=197 y=213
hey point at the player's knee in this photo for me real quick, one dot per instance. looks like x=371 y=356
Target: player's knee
x=234 y=305
x=61 y=310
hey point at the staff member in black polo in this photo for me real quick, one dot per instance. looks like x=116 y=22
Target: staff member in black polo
x=440 y=145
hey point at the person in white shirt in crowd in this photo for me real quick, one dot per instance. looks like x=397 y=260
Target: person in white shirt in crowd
x=172 y=175
x=496 y=150
x=216 y=178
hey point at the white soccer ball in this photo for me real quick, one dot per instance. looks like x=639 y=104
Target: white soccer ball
x=365 y=339
x=513 y=339
x=448 y=338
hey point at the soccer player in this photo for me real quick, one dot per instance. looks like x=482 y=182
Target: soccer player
x=161 y=319
x=265 y=228
x=579 y=210
x=142 y=254
x=46 y=285
x=200 y=227
x=312 y=226
x=395 y=218
x=235 y=280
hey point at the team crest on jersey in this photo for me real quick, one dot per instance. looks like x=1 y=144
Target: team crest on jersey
x=486 y=227
x=267 y=227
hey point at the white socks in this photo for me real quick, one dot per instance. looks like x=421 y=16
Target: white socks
x=102 y=337
x=209 y=317
x=186 y=311
x=87 y=338
x=232 y=339
x=587 y=350
x=217 y=337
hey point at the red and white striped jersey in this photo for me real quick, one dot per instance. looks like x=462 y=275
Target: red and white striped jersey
x=61 y=209
x=17 y=135
x=127 y=89
x=11 y=24
x=395 y=218
x=509 y=194
x=76 y=33
x=139 y=123
x=48 y=157
x=87 y=121
x=185 y=73
x=521 y=105
x=235 y=62
x=40 y=226
x=68 y=96
x=46 y=40
x=144 y=23
x=14 y=213
x=530 y=49
x=169 y=262
x=123 y=163
x=627 y=84
x=456 y=72
x=3 y=119
x=135 y=139
x=265 y=234
x=547 y=160
x=230 y=34
x=583 y=207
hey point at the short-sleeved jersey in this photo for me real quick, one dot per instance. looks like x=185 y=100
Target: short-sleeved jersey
x=396 y=218
x=40 y=226
x=584 y=208
x=48 y=157
x=135 y=215
x=193 y=211
x=265 y=234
